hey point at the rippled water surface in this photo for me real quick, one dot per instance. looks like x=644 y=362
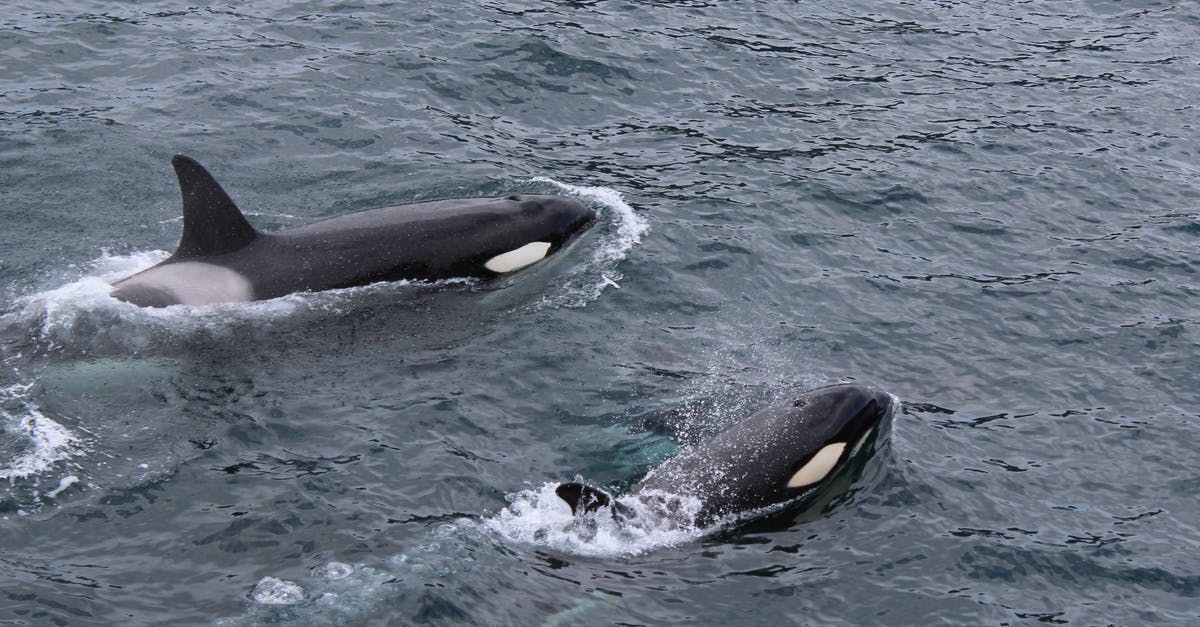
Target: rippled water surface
x=989 y=209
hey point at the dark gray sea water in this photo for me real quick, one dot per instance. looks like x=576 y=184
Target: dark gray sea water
x=989 y=209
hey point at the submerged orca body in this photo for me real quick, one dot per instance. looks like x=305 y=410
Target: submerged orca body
x=779 y=455
x=221 y=258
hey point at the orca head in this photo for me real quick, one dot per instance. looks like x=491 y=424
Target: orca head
x=547 y=223
x=836 y=424
x=561 y=218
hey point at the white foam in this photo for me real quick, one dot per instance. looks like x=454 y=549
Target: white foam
x=46 y=441
x=539 y=517
x=601 y=268
x=272 y=591
x=63 y=484
x=51 y=314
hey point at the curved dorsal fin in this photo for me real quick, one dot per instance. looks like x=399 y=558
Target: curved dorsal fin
x=212 y=223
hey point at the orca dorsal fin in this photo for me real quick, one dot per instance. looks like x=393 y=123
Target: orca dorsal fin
x=582 y=497
x=212 y=223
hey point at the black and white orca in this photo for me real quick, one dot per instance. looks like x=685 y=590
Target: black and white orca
x=221 y=258
x=782 y=454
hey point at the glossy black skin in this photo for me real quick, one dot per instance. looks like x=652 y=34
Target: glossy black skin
x=747 y=467
x=427 y=241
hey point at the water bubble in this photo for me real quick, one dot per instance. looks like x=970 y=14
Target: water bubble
x=335 y=570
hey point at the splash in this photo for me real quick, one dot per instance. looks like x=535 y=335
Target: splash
x=540 y=518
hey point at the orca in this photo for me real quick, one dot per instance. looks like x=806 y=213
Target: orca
x=781 y=455
x=221 y=258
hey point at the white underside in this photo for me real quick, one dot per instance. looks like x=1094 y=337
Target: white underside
x=818 y=467
x=196 y=283
x=513 y=260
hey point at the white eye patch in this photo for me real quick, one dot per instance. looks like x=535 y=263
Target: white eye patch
x=519 y=258
x=818 y=467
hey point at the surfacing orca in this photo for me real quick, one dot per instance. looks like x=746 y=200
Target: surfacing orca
x=221 y=258
x=782 y=454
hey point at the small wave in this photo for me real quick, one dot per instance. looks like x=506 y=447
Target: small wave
x=539 y=517
x=600 y=271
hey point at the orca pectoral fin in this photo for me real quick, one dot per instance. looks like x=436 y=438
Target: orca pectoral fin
x=582 y=497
